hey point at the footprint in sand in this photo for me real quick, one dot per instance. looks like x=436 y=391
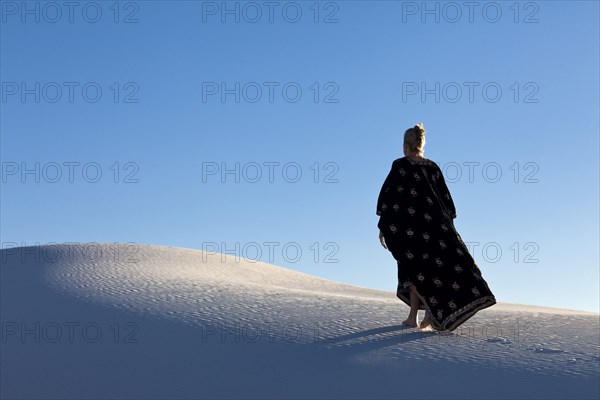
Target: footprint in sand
x=498 y=340
x=545 y=350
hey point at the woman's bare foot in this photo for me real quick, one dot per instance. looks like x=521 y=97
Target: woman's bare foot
x=414 y=308
x=426 y=320
x=410 y=322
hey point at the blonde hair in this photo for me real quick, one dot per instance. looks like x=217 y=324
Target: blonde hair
x=414 y=138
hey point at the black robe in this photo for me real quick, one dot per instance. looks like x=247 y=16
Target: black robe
x=416 y=218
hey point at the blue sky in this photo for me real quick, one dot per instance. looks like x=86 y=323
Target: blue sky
x=533 y=230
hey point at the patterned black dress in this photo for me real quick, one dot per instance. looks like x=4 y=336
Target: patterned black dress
x=416 y=218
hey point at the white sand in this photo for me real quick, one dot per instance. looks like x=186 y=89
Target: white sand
x=212 y=329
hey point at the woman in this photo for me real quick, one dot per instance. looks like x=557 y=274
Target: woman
x=436 y=273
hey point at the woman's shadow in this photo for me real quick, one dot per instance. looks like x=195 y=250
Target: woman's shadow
x=374 y=339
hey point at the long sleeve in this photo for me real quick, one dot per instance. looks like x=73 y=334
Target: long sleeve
x=445 y=195
x=385 y=192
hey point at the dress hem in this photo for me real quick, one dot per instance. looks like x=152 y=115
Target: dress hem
x=455 y=319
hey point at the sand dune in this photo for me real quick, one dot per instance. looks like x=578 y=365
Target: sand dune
x=163 y=322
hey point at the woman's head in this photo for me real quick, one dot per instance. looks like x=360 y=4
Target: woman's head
x=414 y=140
